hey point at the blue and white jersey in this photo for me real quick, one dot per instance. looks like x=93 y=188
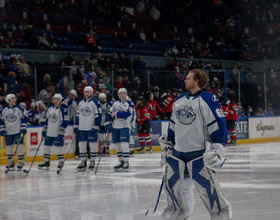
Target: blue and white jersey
x=124 y=114
x=105 y=107
x=88 y=114
x=196 y=119
x=71 y=106
x=56 y=120
x=12 y=119
x=41 y=116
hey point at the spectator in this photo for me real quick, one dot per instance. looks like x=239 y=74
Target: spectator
x=157 y=94
x=12 y=66
x=115 y=39
x=124 y=43
x=118 y=83
x=123 y=63
x=13 y=85
x=141 y=6
x=154 y=13
x=52 y=42
x=23 y=69
x=69 y=59
x=91 y=41
x=46 y=94
x=260 y=112
x=268 y=111
x=139 y=64
x=25 y=95
x=250 y=112
x=105 y=64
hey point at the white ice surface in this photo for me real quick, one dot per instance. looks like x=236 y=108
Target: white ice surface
x=250 y=178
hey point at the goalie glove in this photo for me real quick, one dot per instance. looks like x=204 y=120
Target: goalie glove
x=214 y=156
x=166 y=148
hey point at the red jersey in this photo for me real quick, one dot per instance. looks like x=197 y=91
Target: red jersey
x=142 y=114
x=233 y=111
x=226 y=112
x=167 y=104
x=153 y=107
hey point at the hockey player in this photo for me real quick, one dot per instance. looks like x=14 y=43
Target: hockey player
x=154 y=107
x=32 y=120
x=131 y=130
x=13 y=124
x=121 y=114
x=105 y=107
x=194 y=151
x=88 y=124
x=232 y=117
x=144 y=124
x=167 y=105
x=53 y=131
x=71 y=105
x=41 y=113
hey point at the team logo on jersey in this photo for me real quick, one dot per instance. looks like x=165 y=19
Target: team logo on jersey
x=11 y=118
x=215 y=98
x=53 y=118
x=186 y=115
x=122 y=107
x=86 y=111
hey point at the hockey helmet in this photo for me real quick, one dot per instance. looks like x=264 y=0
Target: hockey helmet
x=57 y=96
x=23 y=105
x=42 y=104
x=102 y=96
x=122 y=90
x=9 y=97
x=88 y=88
x=73 y=92
x=33 y=105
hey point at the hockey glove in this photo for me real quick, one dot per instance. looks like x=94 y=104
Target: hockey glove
x=95 y=129
x=3 y=133
x=76 y=129
x=108 y=126
x=23 y=131
x=214 y=156
x=44 y=133
x=166 y=148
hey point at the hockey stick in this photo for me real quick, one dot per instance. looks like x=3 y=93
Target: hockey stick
x=59 y=170
x=9 y=166
x=27 y=171
x=101 y=150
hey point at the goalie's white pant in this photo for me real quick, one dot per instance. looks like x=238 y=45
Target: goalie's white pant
x=180 y=196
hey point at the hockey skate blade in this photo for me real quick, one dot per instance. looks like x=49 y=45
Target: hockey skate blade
x=44 y=168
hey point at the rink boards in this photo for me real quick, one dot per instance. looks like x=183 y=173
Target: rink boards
x=249 y=130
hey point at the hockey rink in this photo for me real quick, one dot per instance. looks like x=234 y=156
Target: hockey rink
x=250 y=179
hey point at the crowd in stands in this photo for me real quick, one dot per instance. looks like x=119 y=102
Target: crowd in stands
x=239 y=30
x=18 y=78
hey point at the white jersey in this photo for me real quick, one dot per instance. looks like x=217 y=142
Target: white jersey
x=12 y=119
x=105 y=107
x=56 y=120
x=71 y=106
x=41 y=116
x=88 y=114
x=196 y=119
x=124 y=114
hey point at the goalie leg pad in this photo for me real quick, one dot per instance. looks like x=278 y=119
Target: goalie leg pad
x=176 y=189
x=209 y=190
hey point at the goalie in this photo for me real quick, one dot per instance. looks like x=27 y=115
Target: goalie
x=194 y=151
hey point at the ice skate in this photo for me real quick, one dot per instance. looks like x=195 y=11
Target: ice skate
x=19 y=166
x=149 y=149
x=12 y=167
x=91 y=165
x=141 y=150
x=60 y=164
x=82 y=167
x=125 y=166
x=119 y=167
x=44 y=166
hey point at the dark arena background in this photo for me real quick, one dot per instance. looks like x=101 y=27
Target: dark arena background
x=147 y=47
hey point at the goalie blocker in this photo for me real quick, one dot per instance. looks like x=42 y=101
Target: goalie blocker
x=180 y=197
